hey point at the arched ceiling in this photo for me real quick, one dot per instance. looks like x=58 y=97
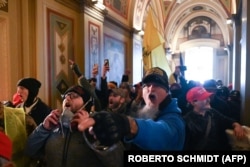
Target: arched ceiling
x=174 y=15
x=172 y=18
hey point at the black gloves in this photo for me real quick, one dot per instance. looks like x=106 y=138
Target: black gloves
x=110 y=128
x=76 y=70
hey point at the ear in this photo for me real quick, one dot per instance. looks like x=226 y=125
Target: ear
x=192 y=103
x=122 y=100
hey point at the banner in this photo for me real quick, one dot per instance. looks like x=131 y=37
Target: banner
x=153 y=50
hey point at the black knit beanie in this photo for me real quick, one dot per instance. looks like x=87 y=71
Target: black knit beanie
x=80 y=91
x=33 y=86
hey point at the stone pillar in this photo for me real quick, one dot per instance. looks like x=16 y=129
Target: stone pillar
x=245 y=63
x=236 y=60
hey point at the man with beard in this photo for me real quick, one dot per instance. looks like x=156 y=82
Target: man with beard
x=116 y=101
x=158 y=126
x=58 y=139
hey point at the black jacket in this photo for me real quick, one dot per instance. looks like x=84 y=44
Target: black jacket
x=196 y=126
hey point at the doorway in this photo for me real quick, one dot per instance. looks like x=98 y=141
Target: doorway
x=199 y=62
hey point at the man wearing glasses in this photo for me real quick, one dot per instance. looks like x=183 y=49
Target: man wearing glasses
x=60 y=142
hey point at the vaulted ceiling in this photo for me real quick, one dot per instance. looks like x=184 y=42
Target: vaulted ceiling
x=174 y=16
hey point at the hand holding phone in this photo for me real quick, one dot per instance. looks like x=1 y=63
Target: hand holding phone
x=106 y=63
x=95 y=70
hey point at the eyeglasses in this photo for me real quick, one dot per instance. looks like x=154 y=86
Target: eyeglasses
x=71 y=95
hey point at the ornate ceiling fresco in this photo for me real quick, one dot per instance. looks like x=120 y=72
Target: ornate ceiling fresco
x=172 y=16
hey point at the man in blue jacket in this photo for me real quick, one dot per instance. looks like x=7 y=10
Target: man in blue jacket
x=158 y=125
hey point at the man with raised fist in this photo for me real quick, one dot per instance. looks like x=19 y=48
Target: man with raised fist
x=157 y=126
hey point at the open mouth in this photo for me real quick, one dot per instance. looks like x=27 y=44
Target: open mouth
x=152 y=97
x=67 y=105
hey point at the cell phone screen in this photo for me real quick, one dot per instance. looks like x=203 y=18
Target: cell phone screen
x=106 y=62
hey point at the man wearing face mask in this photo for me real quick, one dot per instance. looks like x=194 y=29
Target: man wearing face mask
x=28 y=89
x=158 y=125
x=62 y=144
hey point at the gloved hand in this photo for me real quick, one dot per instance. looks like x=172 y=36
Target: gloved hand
x=110 y=128
x=75 y=68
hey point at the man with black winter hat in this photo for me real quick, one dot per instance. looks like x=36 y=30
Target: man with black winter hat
x=158 y=125
x=60 y=141
x=28 y=89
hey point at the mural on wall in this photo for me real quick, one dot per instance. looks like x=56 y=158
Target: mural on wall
x=94 y=44
x=4 y=5
x=118 y=6
x=60 y=50
x=114 y=51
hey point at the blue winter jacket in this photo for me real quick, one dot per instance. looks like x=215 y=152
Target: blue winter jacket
x=166 y=133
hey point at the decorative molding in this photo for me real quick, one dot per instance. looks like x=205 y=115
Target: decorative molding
x=4 y=5
x=95 y=12
x=60 y=49
x=82 y=5
x=118 y=23
x=73 y=4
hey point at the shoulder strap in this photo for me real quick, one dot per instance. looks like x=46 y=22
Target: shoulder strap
x=208 y=125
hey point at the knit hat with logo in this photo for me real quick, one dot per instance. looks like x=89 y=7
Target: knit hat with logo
x=156 y=75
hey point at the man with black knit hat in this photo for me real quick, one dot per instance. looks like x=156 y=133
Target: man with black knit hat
x=28 y=89
x=63 y=143
x=158 y=126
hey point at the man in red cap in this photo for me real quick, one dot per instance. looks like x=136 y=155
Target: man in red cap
x=5 y=151
x=205 y=126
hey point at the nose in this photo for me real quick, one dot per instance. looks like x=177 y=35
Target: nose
x=18 y=91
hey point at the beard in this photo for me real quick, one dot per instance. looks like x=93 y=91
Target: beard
x=148 y=112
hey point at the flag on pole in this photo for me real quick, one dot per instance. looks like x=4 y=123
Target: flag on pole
x=150 y=41
x=153 y=50
x=183 y=68
x=159 y=59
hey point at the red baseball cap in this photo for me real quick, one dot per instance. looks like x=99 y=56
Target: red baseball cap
x=197 y=93
x=5 y=146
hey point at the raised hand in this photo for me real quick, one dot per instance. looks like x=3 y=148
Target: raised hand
x=52 y=120
x=95 y=70
x=82 y=121
x=105 y=69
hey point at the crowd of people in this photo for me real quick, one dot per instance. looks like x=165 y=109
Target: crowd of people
x=96 y=124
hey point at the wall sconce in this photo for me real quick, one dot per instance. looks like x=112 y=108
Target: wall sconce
x=229 y=21
x=141 y=33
